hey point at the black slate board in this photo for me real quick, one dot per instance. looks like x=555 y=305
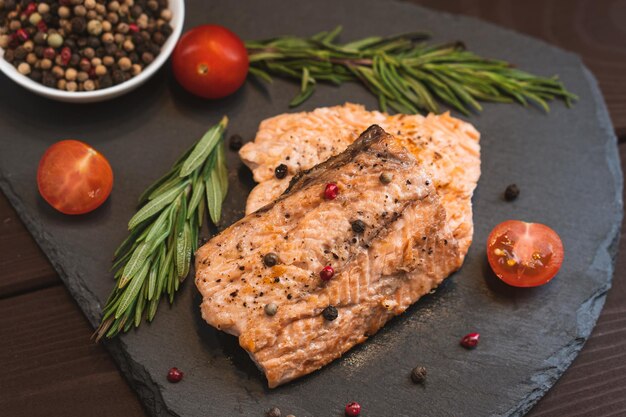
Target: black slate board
x=565 y=163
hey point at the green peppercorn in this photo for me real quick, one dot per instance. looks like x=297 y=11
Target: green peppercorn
x=385 y=177
x=271 y=309
x=34 y=18
x=55 y=40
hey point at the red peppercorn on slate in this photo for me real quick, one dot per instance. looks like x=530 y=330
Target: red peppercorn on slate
x=403 y=250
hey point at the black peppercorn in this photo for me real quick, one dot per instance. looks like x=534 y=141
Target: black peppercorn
x=105 y=81
x=358 y=226
x=20 y=53
x=511 y=192
x=158 y=38
x=136 y=11
x=281 y=171
x=418 y=375
x=9 y=55
x=118 y=77
x=74 y=60
x=154 y=48
x=36 y=75
x=93 y=42
x=48 y=79
x=110 y=48
x=270 y=259
x=78 y=24
x=70 y=43
x=166 y=30
x=273 y=412
x=39 y=38
x=330 y=313
x=235 y=142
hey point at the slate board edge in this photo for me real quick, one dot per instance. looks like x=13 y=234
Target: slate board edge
x=546 y=378
x=148 y=389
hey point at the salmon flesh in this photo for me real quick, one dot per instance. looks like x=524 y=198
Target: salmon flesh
x=402 y=248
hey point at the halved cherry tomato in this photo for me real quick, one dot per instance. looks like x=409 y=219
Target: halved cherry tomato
x=73 y=177
x=524 y=254
x=210 y=61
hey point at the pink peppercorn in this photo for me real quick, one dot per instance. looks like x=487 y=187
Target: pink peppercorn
x=470 y=340
x=327 y=273
x=174 y=375
x=331 y=191
x=353 y=409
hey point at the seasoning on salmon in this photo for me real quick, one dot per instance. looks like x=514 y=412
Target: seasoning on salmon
x=405 y=250
x=446 y=147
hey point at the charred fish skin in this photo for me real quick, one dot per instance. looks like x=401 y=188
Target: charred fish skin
x=400 y=251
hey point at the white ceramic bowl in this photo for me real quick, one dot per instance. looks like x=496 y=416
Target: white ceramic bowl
x=178 y=16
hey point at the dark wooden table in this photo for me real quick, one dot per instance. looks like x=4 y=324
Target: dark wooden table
x=51 y=368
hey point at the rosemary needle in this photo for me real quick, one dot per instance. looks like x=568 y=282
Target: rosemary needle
x=402 y=72
x=154 y=259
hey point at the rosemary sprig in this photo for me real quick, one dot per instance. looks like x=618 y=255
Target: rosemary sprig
x=403 y=72
x=154 y=259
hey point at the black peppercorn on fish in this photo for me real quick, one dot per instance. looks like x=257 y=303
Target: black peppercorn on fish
x=401 y=250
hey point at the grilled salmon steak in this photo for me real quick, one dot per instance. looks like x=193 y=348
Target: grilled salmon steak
x=385 y=235
x=447 y=147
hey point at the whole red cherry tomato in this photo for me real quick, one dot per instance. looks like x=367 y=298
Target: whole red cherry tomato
x=210 y=61
x=73 y=177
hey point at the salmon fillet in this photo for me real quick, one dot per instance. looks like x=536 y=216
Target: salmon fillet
x=403 y=250
x=447 y=147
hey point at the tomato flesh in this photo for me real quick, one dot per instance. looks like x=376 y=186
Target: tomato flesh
x=210 y=61
x=73 y=177
x=524 y=254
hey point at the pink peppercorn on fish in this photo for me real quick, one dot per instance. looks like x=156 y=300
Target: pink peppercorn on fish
x=384 y=236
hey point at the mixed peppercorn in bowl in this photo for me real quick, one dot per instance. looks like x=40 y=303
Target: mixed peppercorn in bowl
x=86 y=50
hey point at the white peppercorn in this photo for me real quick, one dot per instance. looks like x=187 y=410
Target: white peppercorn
x=94 y=27
x=82 y=76
x=43 y=8
x=71 y=86
x=124 y=63
x=89 y=85
x=24 y=68
x=71 y=74
x=64 y=12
